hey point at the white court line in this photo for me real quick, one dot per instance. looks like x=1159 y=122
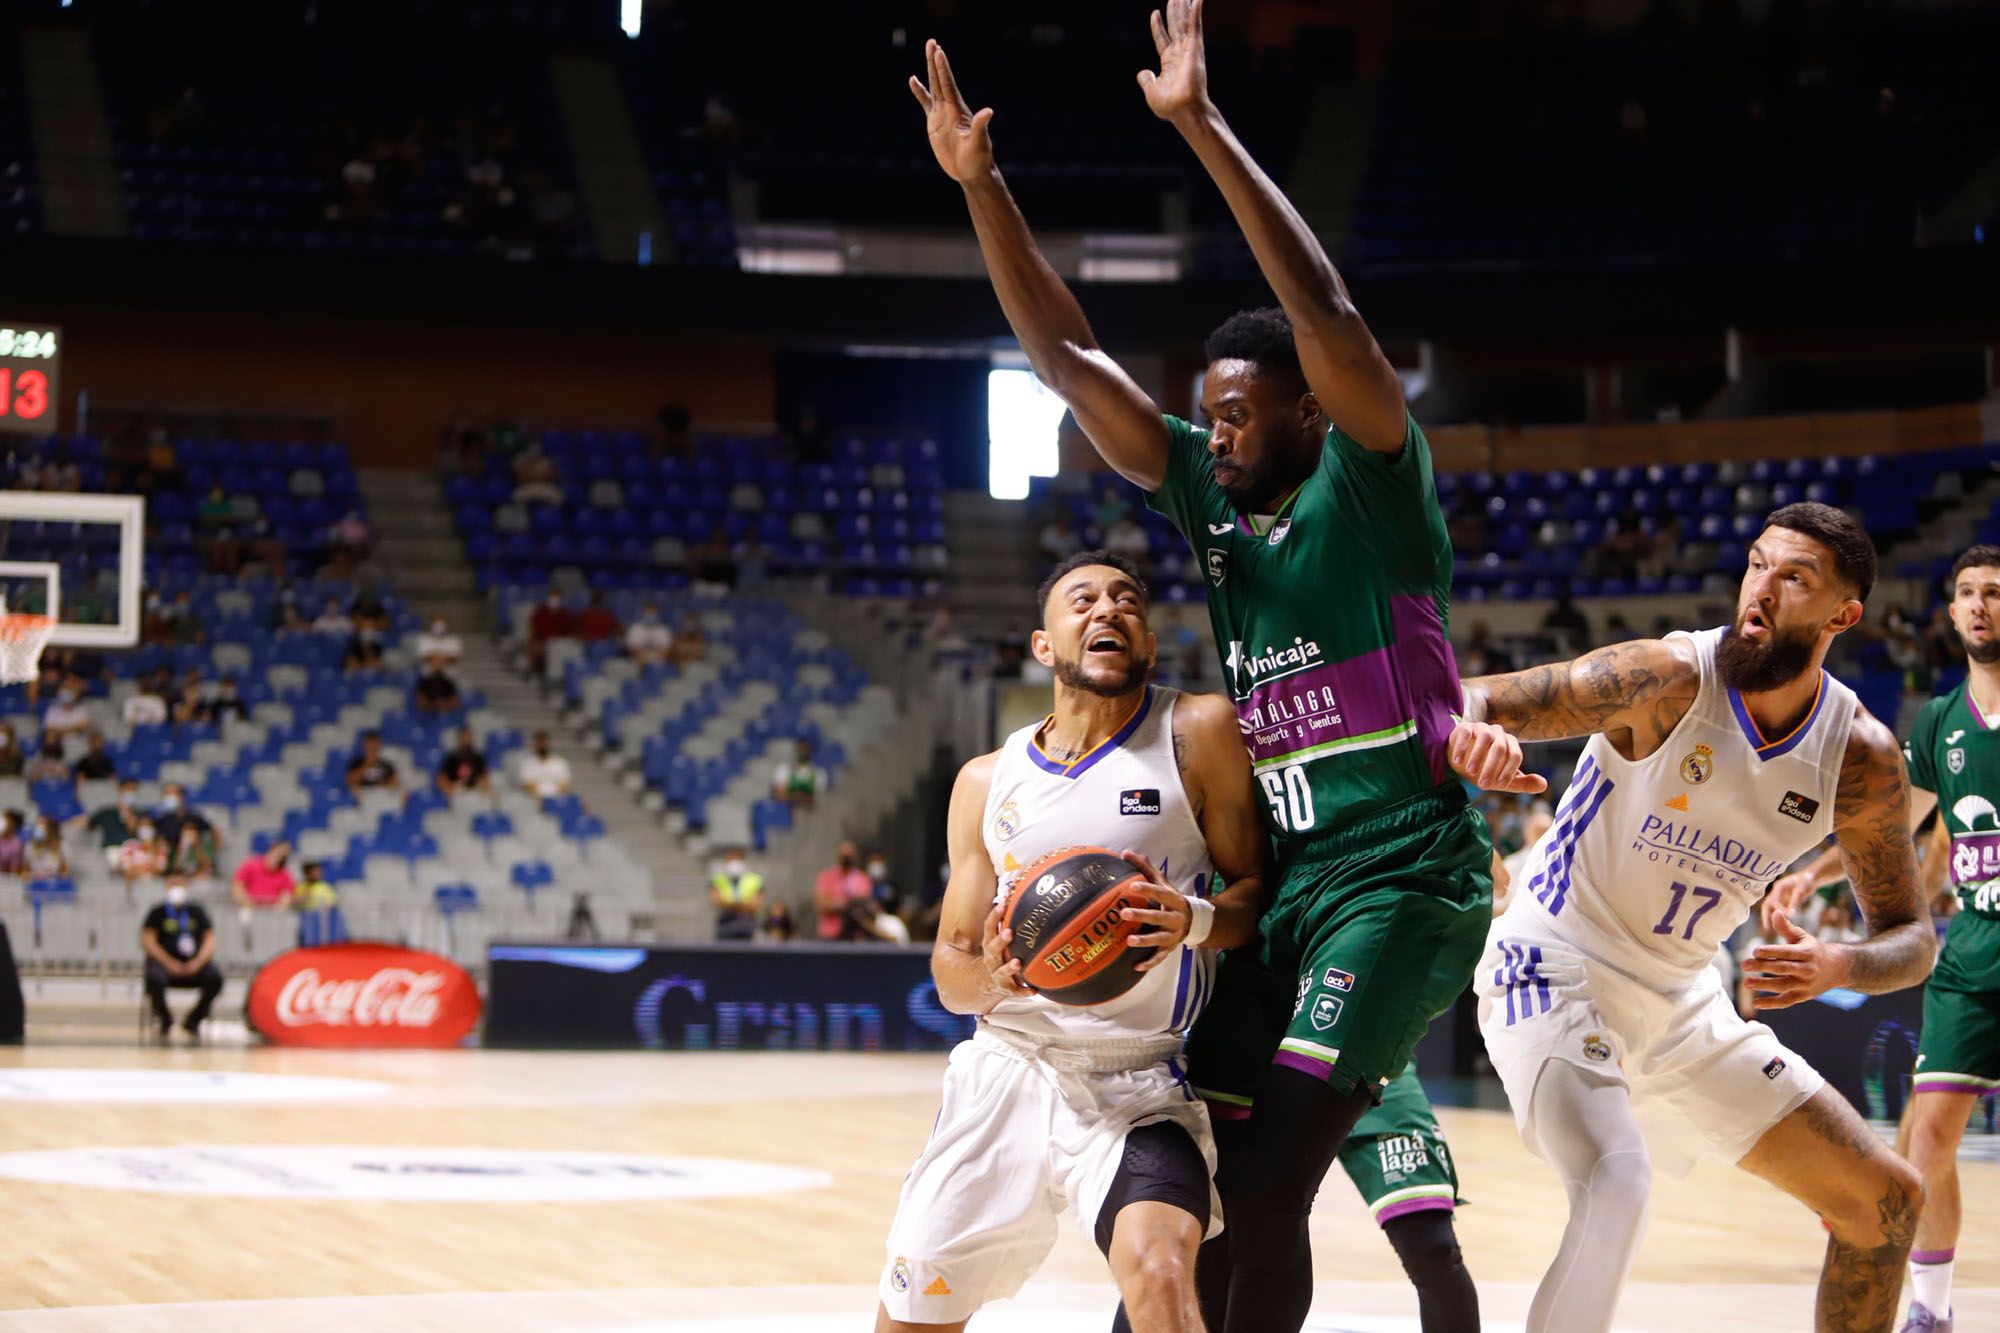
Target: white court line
x=1043 y=1307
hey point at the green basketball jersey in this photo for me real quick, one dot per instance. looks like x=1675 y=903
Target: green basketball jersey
x=1331 y=625
x=1955 y=751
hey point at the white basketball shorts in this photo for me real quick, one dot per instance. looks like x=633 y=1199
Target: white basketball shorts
x=1703 y=1080
x=1017 y=1141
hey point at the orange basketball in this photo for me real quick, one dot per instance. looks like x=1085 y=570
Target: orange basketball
x=1065 y=911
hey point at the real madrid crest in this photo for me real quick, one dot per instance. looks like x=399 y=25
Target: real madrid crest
x=1006 y=822
x=1700 y=762
x=1595 y=1048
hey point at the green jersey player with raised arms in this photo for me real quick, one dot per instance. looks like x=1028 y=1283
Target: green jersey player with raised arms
x=1310 y=507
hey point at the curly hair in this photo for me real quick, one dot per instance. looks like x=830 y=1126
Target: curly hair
x=1264 y=339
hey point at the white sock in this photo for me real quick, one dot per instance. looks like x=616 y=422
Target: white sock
x=1933 y=1286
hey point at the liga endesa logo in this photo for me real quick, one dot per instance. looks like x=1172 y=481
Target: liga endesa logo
x=363 y=995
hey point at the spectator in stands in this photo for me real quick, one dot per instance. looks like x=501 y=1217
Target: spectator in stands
x=597 y=622
x=44 y=854
x=836 y=887
x=369 y=769
x=179 y=941
x=1942 y=644
x=544 y=773
x=140 y=856
x=552 y=620
x=439 y=646
x=48 y=765
x=776 y=927
x=191 y=709
x=349 y=536
x=175 y=813
x=464 y=767
x=582 y=925
x=193 y=852
x=690 y=642
x=13 y=845
x=535 y=478
x=115 y=823
x=1125 y=537
x=713 y=566
x=64 y=718
x=647 y=639
x=1568 y=624
x=870 y=920
x=1059 y=538
x=228 y=704
x=1113 y=507
x=436 y=691
x=364 y=650
x=175 y=623
x=145 y=707
x=90 y=606
x=736 y=892
x=333 y=620
x=263 y=881
x=264 y=547
x=800 y=782
x=12 y=761
x=878 y=879
x=313 y=893
x=1482 y=656
x=97 y=765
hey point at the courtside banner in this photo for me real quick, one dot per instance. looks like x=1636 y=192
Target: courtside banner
x=717 y=997
x=363 y=995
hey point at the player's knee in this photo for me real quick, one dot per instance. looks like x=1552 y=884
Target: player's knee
x=1261 y=1224
x=1160 y=1272
x=1934 y=1138
x=1428 y=1246
x=1882 y=1205
x=1620 y=1188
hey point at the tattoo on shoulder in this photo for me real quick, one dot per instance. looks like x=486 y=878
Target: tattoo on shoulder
x=1182 y=748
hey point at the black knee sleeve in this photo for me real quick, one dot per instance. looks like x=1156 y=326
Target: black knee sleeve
x=1161 y=1165
x=1427 y=1244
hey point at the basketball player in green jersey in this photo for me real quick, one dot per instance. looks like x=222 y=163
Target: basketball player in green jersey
x=1311 y=509
x=1953 y=753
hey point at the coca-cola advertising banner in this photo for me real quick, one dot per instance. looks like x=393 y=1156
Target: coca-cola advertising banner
x=363 y=995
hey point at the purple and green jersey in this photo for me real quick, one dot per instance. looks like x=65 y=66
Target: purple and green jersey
x=1954 y=750
x=1330 y=620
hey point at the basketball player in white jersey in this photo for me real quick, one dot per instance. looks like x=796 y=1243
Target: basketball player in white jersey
x=1715 y=760
x=1051 y=1106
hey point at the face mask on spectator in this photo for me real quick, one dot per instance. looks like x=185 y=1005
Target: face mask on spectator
x=437 y=627
x=67 y=696
x=41 y=833
x=145 y=833
x=171 y=801
x=125 y=799
x=733 y=867
x=177 y=895
x=878 y=870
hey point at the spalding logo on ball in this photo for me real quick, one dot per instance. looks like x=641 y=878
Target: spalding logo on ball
x=1066 y=912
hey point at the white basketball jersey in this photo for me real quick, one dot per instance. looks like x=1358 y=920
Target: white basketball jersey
x=1125 y=795
x=1650 y=866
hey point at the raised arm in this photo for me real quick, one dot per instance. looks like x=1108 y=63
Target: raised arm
x=1634 y=692
x=969 y=960
x=1356 y=386
x=1114 y=412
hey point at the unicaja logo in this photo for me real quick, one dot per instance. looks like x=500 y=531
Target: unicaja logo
x=392 y=997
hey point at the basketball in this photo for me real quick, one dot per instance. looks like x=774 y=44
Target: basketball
x=1064 y=912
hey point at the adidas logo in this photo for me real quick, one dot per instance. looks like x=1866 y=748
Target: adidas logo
x=1678 y=803
x=938 y=1288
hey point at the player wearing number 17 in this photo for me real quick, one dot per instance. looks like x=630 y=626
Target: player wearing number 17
x=1715 y=760
x=1311 y=510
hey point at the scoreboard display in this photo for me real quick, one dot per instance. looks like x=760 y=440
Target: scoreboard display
x=30 y=362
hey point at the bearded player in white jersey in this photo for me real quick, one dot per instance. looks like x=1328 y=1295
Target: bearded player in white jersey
x=1715 y=760
x=1051 y=1105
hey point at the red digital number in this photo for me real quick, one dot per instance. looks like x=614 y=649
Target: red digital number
x=32 y=398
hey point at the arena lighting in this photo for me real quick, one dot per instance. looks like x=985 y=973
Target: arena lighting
x=629 y=14
x=1021 y=421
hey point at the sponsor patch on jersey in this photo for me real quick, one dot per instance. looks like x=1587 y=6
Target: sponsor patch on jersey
x=1326 y=1011
x=938 y=1287
x=1697 y=765
x=1305 y=989
x=1595 y=1048
x=1954 y=737
x=1010 y=865
x=1338 y=980
x=1221 y=529
x=1801 y=808
x=1139 y=801
x=1006 y=822
x=1775 y=1067
x=1679 y=803
x=1955 y=761
x=899 y=1274
x=1278 y=531
x=1218 y=565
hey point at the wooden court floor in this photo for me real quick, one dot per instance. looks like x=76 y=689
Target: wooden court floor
x=97 y=1253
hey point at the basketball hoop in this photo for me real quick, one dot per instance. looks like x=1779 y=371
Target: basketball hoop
x=22 y=638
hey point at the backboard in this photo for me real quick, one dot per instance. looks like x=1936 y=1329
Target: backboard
x=78 y=557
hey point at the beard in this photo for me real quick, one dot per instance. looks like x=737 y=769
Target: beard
x=1070 y=674
x=1750 y=668
x=1985 y=654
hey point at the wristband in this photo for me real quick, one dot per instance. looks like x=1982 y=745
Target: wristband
x=1201 y=920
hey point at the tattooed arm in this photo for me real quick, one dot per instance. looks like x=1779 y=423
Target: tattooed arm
x=1872 y=820
x=1635 y=693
